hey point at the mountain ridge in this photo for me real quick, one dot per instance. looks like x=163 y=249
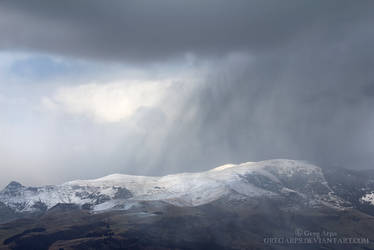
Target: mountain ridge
x=271 y=178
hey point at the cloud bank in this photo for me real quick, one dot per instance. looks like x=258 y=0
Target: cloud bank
x=110 y=102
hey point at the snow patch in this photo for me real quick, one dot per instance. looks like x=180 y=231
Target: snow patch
x=368 y=198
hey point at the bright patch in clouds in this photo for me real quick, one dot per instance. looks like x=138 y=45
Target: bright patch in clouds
x=110 y=102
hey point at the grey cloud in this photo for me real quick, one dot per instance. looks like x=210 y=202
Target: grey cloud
x=157 y=30
x=309 y=102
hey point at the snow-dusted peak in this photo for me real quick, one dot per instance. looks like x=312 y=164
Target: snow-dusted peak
x=223 y=167
x=251 y=179
x=14 y=185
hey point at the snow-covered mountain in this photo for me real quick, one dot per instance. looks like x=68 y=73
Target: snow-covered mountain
x=274 y=179
x=228 y=207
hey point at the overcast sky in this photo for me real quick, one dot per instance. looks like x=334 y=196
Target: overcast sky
x=90 y=88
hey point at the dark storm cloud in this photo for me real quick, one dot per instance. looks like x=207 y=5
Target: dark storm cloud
x=287 y=79
x=155 y=30
x=310 y=103
x=311 y=99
